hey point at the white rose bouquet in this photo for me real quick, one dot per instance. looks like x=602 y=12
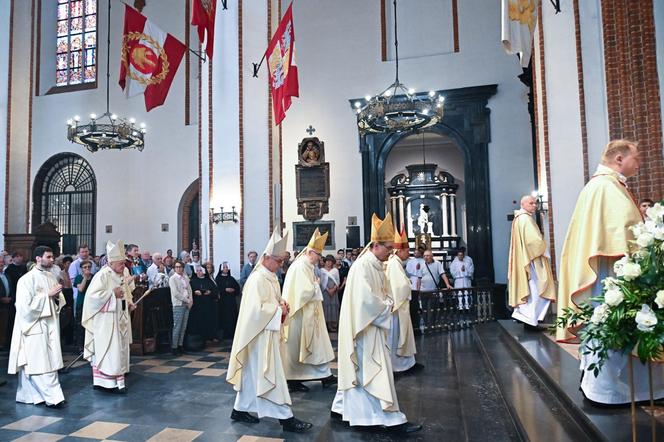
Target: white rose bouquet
x=629 y=315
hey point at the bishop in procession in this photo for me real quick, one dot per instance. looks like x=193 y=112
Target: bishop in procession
x=107 y=321
x=401 y=338
x=35 y=353
x=366 y=395
x=308 y=350
x=255 y=368
x=531 y=284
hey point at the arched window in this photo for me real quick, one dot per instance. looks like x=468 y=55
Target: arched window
x=76 y=53
x=65 y=193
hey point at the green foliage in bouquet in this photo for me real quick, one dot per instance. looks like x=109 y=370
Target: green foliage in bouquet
x=629 y=314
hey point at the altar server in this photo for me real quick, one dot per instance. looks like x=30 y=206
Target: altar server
x=35 y=353
x=107 y=322
x=366 y=395
x=401 y=338
x=531 y=285
x=599 y=235
x=255 y=368
x=308 y=350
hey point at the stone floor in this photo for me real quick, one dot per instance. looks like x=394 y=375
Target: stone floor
x=187 y=398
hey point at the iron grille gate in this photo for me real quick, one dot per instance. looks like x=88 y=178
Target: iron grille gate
x=68 y=200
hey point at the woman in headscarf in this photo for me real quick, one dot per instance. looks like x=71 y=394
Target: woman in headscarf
x=229 y=290
x=329 y=285
x=203 y=318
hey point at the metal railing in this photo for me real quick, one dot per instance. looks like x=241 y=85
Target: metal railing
x=455 y=309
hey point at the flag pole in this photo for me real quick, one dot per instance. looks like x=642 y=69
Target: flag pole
x=258 y=66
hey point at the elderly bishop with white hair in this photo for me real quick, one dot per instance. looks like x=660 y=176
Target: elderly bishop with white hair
x=366 y=395
x=107 y=322
x=308 y=350
x=35 y=353
x=255 y=368
x=530 y=280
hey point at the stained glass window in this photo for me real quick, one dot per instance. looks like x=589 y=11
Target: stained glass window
x=76 y=44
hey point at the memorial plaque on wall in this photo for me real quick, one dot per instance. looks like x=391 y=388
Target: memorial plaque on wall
x=312 y=180
x=302 y=232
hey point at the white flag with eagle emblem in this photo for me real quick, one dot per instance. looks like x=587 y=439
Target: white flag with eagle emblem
x=519 y=19
x=149 y=60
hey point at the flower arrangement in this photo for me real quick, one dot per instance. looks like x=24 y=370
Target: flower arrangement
x=629 y=315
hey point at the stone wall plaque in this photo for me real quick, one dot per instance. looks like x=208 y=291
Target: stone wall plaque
x=312 y=180
x=303 y=230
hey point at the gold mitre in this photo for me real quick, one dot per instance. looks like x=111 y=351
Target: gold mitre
x=115 y=252
x=401 y=240
x=382 y=230
x=277 y=245
x=317 y=241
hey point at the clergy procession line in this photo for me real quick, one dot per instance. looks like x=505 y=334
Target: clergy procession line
x=281 y=339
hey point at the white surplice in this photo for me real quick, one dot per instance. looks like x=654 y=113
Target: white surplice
x=35 y=353
x=462 y=272
x=534 y=310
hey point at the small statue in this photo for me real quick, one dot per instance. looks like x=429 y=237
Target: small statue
x=311 y=154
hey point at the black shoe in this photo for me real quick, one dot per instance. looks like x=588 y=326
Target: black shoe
x=403 y=429
x=415 y=368
x=243 y=416
x=295 y=425
x=329 y=381
x=336 y=416
x=529 y=327
x=174 y=352
x=58 y=405
x=120 y=390
x=181 y=349
x=294 y=386
x=2 y=382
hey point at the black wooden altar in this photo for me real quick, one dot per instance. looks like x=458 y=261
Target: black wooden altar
x=423 y=202
x=466 y=121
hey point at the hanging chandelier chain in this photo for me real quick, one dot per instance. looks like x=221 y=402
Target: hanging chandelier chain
x=396 y=44
x=108 y=59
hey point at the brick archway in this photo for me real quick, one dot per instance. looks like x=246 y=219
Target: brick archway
x=188 y=209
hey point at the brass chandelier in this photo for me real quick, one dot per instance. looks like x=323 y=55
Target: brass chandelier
x=398 y=108
x=115 y=133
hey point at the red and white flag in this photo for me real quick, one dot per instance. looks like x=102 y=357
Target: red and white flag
x=202 y=15
x=280 y=56
x=149 y=60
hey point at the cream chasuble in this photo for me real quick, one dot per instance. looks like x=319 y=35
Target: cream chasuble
x=402 y=331
x=35 y=353
x=530 y=281
x=255 y=368
x=366 y=393
x=599 y=229
x=308 y=350
x=107 y=328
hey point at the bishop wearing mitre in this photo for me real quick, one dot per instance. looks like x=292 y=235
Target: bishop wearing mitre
x=107 y=321
x=531 y=285
x=255 y=368
x=308 y=350
x=598 y=235
x=35 y=353
x=401 y=337
x=366 y=395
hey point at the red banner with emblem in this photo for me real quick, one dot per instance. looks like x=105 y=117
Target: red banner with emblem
x=280 y=56
x=149 y=60
x=202 y=16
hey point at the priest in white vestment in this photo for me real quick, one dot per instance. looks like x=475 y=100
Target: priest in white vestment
x=308 y=350
x=462 y=270
x=107 y=322
x=35 y=353
x=401 y=338
x=255 y=368
x=530 y=280
x=366 y=394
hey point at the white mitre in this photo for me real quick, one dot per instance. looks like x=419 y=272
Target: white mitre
x=115 y=252
x=277 y=245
